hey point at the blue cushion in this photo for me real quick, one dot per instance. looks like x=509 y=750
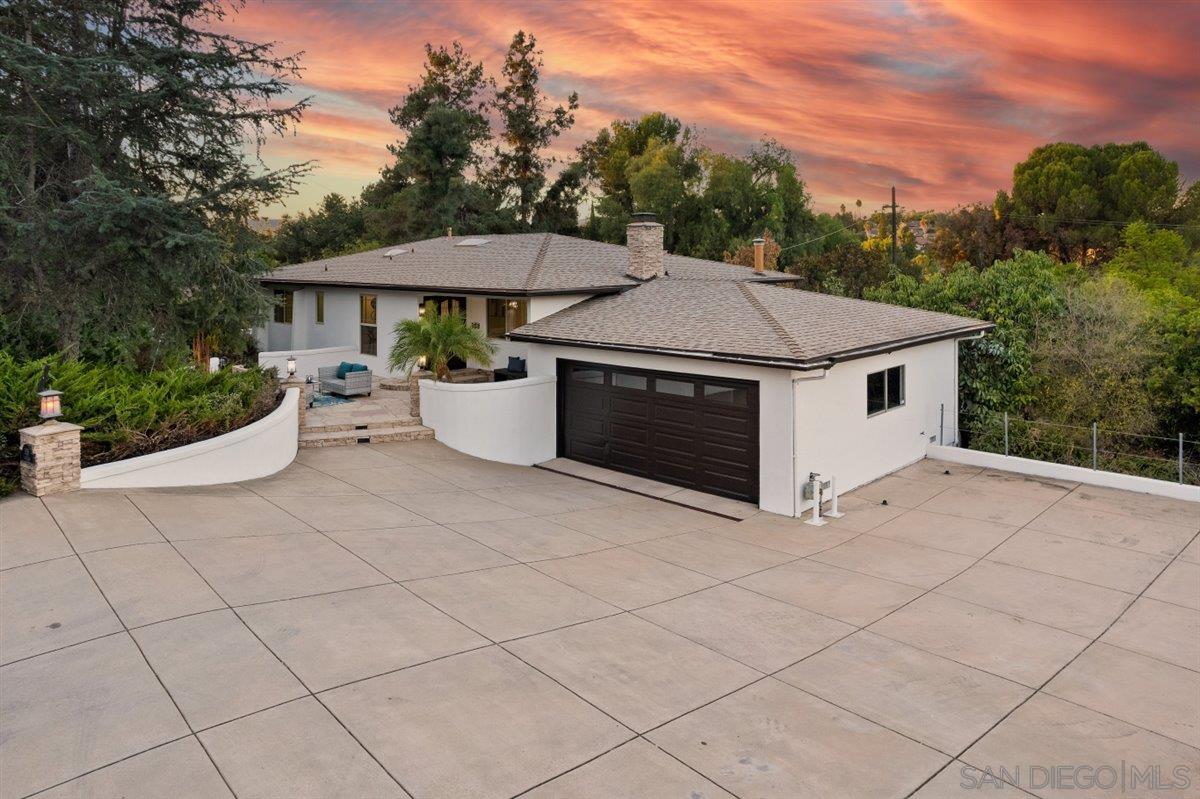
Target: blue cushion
x=516 y=364
x=343 y=367
x=358 y=367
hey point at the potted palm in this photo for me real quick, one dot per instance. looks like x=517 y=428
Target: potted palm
x=434 y=339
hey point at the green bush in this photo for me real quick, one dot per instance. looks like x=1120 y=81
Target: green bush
x=125 y=412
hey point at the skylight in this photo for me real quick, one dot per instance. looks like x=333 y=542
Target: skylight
x=394 y=252
x=471 y=243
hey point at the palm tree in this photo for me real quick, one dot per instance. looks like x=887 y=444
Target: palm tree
x=434 y=339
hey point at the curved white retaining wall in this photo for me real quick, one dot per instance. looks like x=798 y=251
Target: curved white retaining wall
x=256 y=450
x=512 y=421
x=307 y=361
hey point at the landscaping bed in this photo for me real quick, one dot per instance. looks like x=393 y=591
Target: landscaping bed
x=125 y=412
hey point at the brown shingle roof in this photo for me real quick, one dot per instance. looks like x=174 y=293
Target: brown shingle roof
x=517 y=263
x=727 y=320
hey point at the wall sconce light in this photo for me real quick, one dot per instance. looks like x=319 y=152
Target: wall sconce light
x=49 y=400
x=291 y=366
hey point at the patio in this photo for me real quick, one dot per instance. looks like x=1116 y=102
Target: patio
x=400 y=620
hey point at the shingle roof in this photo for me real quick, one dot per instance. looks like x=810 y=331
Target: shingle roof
x=726 y=320
x=517 y=263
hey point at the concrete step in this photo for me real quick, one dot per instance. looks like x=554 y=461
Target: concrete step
x=373 y=435
x=399 y=421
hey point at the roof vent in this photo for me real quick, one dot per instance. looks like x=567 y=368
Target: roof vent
x=395 y=251
x=471 y=243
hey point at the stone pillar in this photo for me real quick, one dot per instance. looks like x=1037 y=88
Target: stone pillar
x=644 y=241
x=54 y=466
x=298 y=382
x=414 y=393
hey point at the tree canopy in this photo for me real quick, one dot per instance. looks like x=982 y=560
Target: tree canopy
x=124 y=179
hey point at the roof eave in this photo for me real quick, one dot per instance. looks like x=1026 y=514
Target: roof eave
x=491 y=292
x=823 y=362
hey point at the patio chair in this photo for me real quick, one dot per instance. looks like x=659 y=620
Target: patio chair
x=353 y=382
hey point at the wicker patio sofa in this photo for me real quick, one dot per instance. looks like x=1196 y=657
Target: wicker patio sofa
x=354 y=383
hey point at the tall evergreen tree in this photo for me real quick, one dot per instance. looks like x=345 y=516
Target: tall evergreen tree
x=519 y=171
x=124 y=179
x=444 y=127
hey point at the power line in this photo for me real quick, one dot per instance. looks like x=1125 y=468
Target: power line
x=818 y=238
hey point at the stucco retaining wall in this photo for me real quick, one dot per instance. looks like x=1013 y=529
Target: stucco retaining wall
x=257 y=450
x=1059 y=471
x=307 y=361
x=512 y=421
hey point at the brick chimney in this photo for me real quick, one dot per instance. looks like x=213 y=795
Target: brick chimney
x=644 y=239
x=759 y=246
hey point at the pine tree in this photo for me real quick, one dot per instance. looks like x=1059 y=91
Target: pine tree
x=124 y=179
x=519 y=172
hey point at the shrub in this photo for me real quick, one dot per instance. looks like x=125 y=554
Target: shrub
x=125 y=412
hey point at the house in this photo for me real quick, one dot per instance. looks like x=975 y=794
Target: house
x=720 y=378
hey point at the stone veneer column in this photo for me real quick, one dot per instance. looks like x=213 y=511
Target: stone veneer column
x=414 y=393
x=644 y=241
x=55 y=465
x=303 y=408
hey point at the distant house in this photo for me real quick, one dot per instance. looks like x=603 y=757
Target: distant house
x=263 y=225
x=697 y=373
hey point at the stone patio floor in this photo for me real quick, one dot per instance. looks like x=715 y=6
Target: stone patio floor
x=398 y=619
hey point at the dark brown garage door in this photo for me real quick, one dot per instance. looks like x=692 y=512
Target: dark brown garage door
x=687 y=430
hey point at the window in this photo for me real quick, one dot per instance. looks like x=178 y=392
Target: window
x=368 y=334
x=320 y=307
x=676 y=387
x=582 y=374
x=629 y=381
x=727 y=395
x=885 y=390
x=504 y=316
x=283 y=307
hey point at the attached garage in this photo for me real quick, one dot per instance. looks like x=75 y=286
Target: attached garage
x=689 y=430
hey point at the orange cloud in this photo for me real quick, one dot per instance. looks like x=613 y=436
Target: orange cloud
x=938 y=98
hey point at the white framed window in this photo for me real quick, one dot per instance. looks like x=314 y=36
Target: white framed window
x=885 y=390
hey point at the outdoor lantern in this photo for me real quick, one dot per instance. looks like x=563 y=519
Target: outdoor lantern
x=49 y=400
x=291 y=366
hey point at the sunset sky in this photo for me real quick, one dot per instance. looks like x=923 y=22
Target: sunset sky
x=939 y=98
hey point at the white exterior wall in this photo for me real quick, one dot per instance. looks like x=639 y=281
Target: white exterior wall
x=776 y=481
x=499 y=421
x=257 y=450
x=307 y=361
x=835 y=437
x=341 y=327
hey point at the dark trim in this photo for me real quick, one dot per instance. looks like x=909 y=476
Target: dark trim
x=911 y=341
x=273 y=282
x=667 y=500
x=757 y=360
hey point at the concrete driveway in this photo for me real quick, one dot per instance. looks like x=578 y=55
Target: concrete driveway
x=399 y=619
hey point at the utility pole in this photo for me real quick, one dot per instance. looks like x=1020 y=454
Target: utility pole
x=893 y=207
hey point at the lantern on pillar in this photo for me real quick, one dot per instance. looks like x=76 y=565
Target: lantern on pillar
x=291 y=366
x=49 y=400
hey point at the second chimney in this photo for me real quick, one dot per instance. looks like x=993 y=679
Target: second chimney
x=759 y=246
x=644 y=240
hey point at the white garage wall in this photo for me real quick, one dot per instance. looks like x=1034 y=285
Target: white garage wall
x=774 y=406
x=836 y=438
x=511 y=421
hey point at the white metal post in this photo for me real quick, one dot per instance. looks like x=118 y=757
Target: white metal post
x=816 y=519
x=834 y=513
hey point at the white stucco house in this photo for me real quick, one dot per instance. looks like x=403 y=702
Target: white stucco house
x=720 y=378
